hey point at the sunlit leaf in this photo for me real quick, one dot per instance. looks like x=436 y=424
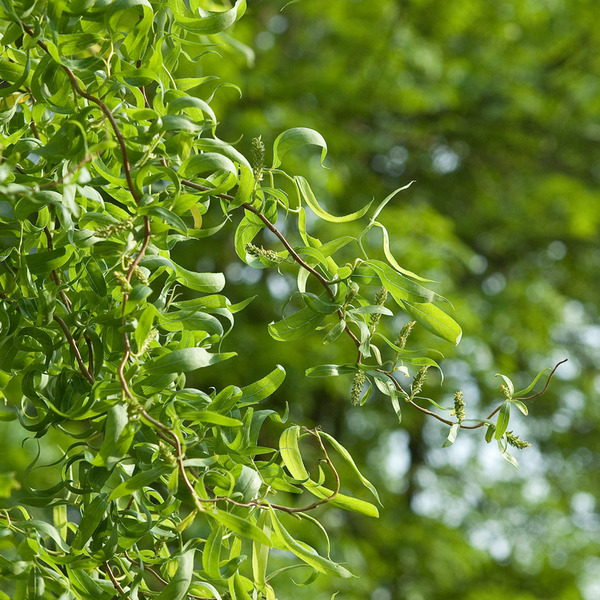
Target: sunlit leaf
x=184 y=360
x=293 y=138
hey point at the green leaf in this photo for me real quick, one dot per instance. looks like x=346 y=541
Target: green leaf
x=293 y=138
x=247 y=483
x=167 y=216
x=335 y=332
x=142 y=479
x=245 y=232
x=207 y=162
x=528 y=389
x=521 y=406
x=295 y=326
x=209 y=22
x=309 y=198
x=290 y=453
x=209 y=416
x=241 y=526
x=260 y=553
x=212 y=552
x=348 y=458
x=386 y=386
x=509 y=384
x=184 y=360
x=434 y=320
x=209 y=283
x=114 y=446
x=263 y=388
x=400 y=287
x=383 y=204
x=305 y=552
x=318 y=305
x=503 y=418
x=330 y=370
x=49 y=260
x=144 y=325
x=179 y=584
x=454 y=429
x=390 y=257
x=507 y=456
x=237 y=589
x=92 y=517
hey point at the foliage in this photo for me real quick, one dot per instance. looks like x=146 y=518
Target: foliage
x=110 y=160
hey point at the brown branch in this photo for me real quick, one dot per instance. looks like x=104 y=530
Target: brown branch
x=75 y=349
x=114 y=580
x=324 y=282
x=107 y=112
x=157 y=575
x=547 y=382
x=481 y=423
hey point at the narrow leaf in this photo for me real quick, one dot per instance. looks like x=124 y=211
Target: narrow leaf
x=139 y=481
x=293 y=138
x=305 y=553
x=451 y=435
x=434 y=320
x=184 y=360
x=348 y=458
x=503 y=418
x=177 y=588
x=241 y=526
x=263 y=388
x=526 y=390
x=309 y=198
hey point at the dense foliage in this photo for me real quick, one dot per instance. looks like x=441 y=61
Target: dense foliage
x=116 y=190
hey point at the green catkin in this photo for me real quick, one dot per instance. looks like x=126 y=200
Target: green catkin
x=352 y=291
x=418 y=381
x=404 y=333
x=114 y=229
x=258 y=158
x=167 y=453
x=122 y=280
x=514 y=440
x=380 y=299
x=459 y=407
x=138 y=272
x=357 y=385
x=262 y=252
x=146 y=343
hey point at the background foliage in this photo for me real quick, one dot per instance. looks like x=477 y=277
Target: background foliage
x=493 y=113
x=492 y=110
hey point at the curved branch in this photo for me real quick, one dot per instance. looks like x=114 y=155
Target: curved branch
x=73 y=344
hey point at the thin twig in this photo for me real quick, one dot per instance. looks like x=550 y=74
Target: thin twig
x=157 y=575
x=547 y=382
x=75 y=349
x=114 y=580
x=322 y=280
x=481 y=423
x=108 y=113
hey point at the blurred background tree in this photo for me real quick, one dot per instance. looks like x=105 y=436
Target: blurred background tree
x=493 y=110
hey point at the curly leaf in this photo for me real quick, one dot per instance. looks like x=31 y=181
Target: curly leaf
x=298 y=136
x=309 y=198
